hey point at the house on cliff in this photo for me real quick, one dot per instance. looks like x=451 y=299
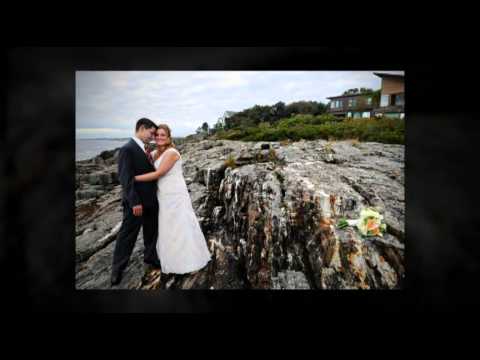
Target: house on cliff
x=364 y=104
x=392 y=99
x=353 y=104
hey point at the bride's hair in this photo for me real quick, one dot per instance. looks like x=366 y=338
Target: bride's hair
x=169 y=144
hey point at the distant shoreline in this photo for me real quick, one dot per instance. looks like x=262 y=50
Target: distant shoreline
x=121 y=139
x=111 y=139
x=89 y=148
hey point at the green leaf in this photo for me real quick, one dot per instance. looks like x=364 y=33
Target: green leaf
x=342 y=223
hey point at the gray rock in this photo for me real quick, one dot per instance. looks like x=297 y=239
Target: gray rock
x=269 y=221
x=290 y=280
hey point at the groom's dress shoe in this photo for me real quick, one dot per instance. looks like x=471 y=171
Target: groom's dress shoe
x=149 y=272
x=115 y=279
x=147 y=268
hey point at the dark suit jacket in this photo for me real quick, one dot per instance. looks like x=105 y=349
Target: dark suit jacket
x=133 y=161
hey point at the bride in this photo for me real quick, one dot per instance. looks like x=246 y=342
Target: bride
x=181 y=245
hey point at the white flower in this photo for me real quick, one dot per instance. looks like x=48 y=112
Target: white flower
x=370 y=223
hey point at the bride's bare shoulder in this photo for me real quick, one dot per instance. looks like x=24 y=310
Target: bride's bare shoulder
x=175 y=150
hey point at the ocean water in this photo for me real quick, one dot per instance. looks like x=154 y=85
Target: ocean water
x=88 y=148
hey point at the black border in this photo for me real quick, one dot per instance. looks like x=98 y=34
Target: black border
x=442 y=261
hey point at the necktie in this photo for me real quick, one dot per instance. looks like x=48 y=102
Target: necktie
x=149 y=156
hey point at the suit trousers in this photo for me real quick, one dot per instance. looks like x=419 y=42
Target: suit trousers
x=127 y=237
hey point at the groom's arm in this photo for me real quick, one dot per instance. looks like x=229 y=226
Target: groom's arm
x=165 y=165
x=126 y=177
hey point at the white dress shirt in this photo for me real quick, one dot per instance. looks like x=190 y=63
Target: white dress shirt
x=140 y=143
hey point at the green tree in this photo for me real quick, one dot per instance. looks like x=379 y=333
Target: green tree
x=376 y=97
x=277 y=111
x=205 y=127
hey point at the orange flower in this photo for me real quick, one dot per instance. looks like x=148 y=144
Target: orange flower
x=371 y=224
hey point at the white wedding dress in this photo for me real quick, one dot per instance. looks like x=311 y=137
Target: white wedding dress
x=181 y=245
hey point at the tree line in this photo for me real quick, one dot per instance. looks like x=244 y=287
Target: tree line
x=262 y=114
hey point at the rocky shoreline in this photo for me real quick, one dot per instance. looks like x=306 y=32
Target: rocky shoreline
x=268 y=211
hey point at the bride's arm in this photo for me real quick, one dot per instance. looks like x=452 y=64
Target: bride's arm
x=166 y=164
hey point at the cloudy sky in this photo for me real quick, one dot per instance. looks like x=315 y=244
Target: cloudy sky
x=108 y=103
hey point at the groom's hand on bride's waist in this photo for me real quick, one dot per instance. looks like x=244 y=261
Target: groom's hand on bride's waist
x=137 y=210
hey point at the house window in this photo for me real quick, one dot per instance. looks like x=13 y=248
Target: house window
x=357 y=115
x=369 y=101
x=349 y=114
x=352 y=102
x=366 y=114
x=399 y=99
x=339 y=103
x=385 y=100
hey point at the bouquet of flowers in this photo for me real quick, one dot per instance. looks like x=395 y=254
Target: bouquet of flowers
x=369 y=224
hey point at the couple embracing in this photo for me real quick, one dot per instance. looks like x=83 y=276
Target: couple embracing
x=155 y=197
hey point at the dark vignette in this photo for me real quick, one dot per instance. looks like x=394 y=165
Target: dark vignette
x=441 y=250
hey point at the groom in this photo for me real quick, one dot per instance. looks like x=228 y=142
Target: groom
x=139 y=201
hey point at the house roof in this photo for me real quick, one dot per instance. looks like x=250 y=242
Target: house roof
x=382 y=75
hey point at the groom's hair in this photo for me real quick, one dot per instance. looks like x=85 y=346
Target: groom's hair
x=146 y=123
